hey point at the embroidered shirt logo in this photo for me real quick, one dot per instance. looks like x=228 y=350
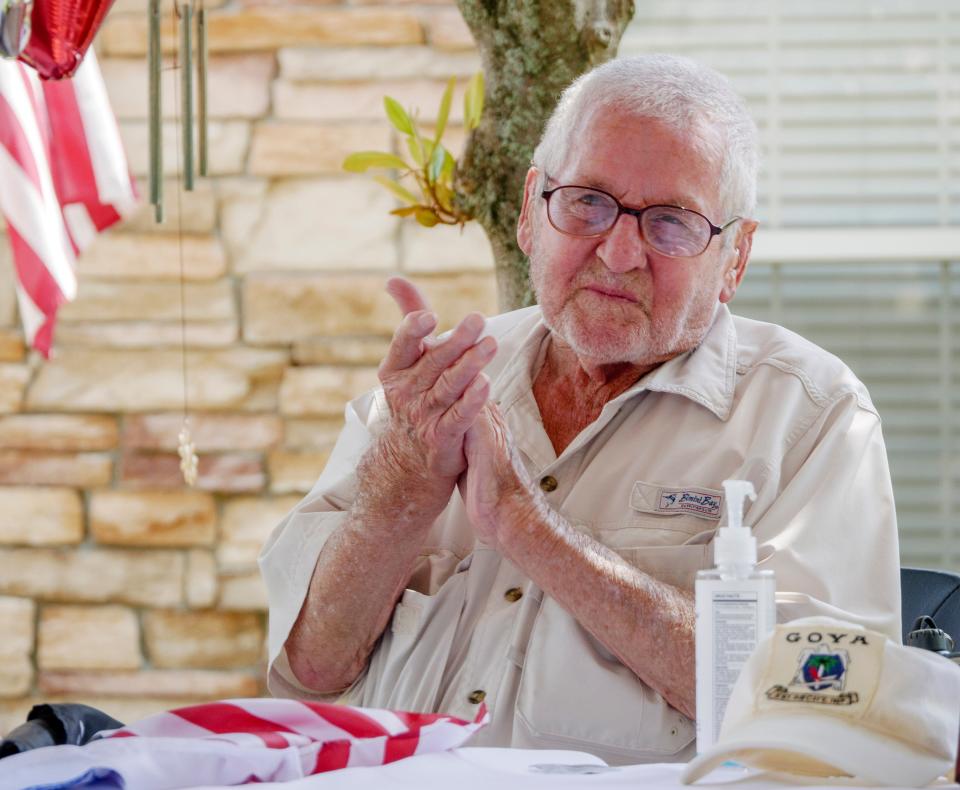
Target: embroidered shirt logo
x=681 y=500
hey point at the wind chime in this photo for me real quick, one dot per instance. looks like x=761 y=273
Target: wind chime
x=184 y=16
x=53 y=36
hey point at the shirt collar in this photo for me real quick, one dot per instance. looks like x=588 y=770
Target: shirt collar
x=705 y=375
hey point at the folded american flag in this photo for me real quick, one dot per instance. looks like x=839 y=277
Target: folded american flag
x=236 y=741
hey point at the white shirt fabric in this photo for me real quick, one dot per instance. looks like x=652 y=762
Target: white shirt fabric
x=753 y=401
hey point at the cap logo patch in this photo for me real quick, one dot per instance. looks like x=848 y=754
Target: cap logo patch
x=819 y=670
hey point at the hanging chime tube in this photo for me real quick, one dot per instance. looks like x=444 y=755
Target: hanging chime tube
x=155 y=61
x=202 y=86
x=186 y=91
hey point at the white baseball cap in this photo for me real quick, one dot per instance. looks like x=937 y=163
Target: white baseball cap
x=823 y=697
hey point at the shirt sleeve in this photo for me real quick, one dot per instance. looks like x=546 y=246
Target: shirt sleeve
x=290 y=554
x=832 y=529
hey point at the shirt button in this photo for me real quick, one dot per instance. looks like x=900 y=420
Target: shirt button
x=548 y=483
x=476 y=697
x=513 y=594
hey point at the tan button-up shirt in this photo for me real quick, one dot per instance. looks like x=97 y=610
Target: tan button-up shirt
x=753 y=401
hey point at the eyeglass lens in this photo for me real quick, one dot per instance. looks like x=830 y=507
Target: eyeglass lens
x=668 y=229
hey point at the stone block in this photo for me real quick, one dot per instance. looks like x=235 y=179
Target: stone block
x=13 y=382
x=228 y=142
x=93 y=575
x=12 y=348
x=238 y=86
x=323 y=391
x=194 y=211
x=244 y=592
x=312 y=434
x=444 y=248
x=152 y=256
x=170 y=683
x=367 y=351
x=148 y=334
x=200 y=640
x=88 y=637
x=291 y=308
x=314 y=224
x=361 y=101
x=201 y=581
x=221 y=472
x=270 y=28
x=131 y=381
x=44 y=468
x=8 y=295
x=153 y=518
x=447 y=30
x=211 y=432
x=16 y=646
x=301 y=148
x=101 y=301
x=40 y=516
x=295 y=472
x=58 y=432
x=374 y=63
x=246 y=524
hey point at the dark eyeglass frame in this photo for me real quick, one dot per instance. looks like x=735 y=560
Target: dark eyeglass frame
x=715 y=230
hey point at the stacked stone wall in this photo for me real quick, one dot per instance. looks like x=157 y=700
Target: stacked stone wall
x=119 y=587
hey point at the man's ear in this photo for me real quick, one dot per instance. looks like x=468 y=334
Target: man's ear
x=525 y=223
x=738 y=258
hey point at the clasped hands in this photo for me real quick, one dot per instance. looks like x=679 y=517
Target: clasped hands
x=443 y=429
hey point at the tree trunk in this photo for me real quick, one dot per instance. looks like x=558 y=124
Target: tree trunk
x=530 y=50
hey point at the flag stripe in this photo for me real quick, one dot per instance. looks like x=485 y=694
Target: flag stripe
x=225 y=718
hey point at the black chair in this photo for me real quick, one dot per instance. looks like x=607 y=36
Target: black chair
x=934 y=593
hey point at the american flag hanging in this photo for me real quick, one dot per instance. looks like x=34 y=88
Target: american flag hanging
x=239 y=741
x=63 y=178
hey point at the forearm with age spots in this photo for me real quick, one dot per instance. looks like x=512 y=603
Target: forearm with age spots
x=363 y=568
x=647 y=624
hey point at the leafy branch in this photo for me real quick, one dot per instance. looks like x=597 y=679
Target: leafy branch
x=433 y=166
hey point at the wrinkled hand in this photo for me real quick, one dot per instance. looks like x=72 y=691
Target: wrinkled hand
x=435 y=388
x=496 y=487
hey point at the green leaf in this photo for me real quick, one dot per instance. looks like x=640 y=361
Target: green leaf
x=473 y=102
x=361 y=161
x=427 y=217
x=404 y=194
x=415 y=146
x=444 y=111
x=436 y=163
x=397 y=115
x=444 y=197
x=449 y=163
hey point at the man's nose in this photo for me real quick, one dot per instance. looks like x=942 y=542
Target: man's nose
x=623 y=248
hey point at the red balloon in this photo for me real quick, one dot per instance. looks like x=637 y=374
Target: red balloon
x=62 y=32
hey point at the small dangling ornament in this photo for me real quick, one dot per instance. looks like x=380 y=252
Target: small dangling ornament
x=188 y=455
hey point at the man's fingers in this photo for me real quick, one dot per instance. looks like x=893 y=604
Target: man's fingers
x=461 y=415
x=407 y=344
x=454 y=380
x=407 y=296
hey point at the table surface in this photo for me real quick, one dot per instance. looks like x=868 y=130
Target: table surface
x=528 y=769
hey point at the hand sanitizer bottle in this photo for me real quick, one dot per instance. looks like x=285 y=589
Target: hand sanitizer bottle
x=735 y=609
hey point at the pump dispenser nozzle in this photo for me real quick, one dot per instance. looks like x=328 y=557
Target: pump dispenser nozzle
x=735 y=544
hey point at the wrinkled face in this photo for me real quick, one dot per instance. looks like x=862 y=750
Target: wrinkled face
x=612 y=298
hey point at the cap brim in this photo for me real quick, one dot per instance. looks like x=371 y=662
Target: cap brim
x=845 y=745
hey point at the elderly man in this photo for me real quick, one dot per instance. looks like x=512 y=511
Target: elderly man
x=504 y=520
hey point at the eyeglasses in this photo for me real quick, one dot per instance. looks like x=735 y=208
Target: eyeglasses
x=670 y=230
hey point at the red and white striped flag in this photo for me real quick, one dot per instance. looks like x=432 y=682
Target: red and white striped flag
x=237 y=741
x=63 y=178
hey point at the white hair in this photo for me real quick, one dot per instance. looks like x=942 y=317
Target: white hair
x=681 y=93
